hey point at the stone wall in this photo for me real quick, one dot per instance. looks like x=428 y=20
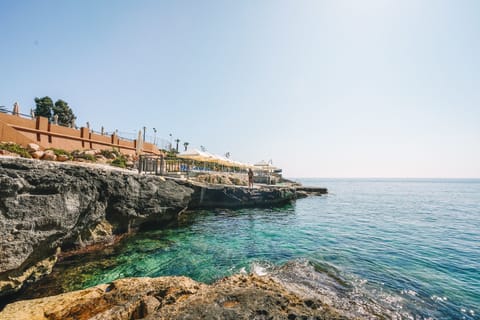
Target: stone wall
x=40 y=131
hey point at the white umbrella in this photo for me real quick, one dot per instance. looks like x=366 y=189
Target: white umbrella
x=139 y=144
x=195 y=154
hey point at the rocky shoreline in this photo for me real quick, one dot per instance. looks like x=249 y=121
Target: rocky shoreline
x=235 y=297
x=49 y=207
x=52 y=209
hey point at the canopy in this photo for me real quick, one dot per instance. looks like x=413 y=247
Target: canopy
x=265 y=166
x=204 y=156
x=197 y=155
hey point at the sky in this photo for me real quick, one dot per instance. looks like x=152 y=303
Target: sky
x=339 y=88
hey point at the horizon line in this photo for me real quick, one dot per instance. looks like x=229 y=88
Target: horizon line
x=395 y=178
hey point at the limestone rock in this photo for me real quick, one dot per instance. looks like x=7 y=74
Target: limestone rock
x=101 y=159
x=32 y=147
x=62 y=157
x=8 y=153
x=45 y=205
x=236 y=297
x=37 y=154
x=227 y=196
x=49 y=155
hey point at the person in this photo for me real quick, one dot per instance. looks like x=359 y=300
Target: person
x=250 y=178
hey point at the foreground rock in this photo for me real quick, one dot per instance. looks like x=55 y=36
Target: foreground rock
x=236 y=297
x=45 y=206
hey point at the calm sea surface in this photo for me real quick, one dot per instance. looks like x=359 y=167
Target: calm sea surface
x=402 y=248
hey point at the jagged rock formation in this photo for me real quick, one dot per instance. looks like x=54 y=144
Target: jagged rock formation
x=236 y=297
x=226 y=196
x=46 y=205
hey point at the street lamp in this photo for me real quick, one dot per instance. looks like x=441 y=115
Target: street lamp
x=144 y=129
x=154 y=136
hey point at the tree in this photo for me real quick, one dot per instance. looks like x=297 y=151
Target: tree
x=64 y=113
x=43 y=107
x=185 y=145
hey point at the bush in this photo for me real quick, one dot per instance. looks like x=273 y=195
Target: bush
x=78 y=154
x=120 y=161
x=110 y=154
x=89 y=157
x=61 y=152
x=15 y=148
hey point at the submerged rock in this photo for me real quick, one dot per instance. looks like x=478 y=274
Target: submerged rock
x=235 y=297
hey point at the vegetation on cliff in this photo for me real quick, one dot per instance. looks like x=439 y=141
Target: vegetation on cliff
x=15 y=149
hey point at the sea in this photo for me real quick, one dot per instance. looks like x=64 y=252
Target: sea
x=374 y=248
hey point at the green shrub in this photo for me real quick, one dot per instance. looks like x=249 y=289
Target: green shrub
x=89 y=157
x=15 y=148
x=120 y=161
x=61 y=152
x=78 y=154
x=110 y=154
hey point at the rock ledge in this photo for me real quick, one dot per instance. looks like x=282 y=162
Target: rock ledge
x=235 y=297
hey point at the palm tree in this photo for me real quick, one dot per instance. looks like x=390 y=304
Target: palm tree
x=185 y=145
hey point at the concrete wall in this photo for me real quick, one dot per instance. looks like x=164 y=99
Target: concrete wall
x=47 y=135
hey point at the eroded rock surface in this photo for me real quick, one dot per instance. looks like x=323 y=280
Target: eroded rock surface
x=236 y=297
x=228 y=196
x=45 y=206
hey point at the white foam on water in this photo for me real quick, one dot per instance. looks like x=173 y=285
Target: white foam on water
x=439 y=299
x=260 y=269
x=412 y=293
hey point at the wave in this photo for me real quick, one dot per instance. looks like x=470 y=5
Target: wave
x=350 y=295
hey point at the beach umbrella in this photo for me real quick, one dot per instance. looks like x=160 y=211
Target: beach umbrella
x=194 y=154
x=16 y=109
x=139 y=144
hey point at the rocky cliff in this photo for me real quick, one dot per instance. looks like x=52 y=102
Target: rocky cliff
x=48 y=206
x=228 y=196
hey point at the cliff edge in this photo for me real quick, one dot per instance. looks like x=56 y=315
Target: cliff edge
x=48 y=206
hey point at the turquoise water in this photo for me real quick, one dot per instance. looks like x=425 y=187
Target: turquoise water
x=405 y=248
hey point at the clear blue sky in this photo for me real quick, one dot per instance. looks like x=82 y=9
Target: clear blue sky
x=372 y=88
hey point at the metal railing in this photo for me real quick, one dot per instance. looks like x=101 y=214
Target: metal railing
x=161 y=165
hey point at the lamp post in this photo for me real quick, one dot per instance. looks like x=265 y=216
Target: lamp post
x=144 y=129
x=177 y=141
x=154 y=136
x=170 y=142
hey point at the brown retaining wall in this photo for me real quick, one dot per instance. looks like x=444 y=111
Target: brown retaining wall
x=47 y=135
